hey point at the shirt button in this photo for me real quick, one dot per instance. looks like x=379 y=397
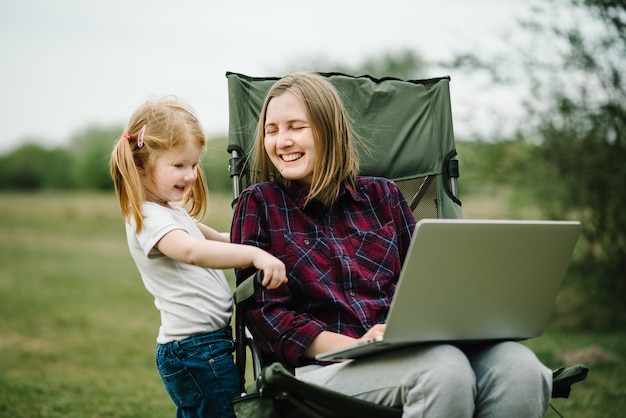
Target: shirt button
x=306 y=242
x=352 y=293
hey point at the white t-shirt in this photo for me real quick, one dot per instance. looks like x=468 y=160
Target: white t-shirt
x=191 y=299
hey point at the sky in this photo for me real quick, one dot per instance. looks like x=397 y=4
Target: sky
x=67 y=65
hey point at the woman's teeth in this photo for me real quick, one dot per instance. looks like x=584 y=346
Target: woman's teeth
x=292 y=157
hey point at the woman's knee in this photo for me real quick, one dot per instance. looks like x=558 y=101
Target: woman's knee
x=512 y=364
x=510 y=379
x=511 y=357
x=445 y=366
x=442 y=383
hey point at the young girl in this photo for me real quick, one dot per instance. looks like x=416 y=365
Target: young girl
x=155 y=169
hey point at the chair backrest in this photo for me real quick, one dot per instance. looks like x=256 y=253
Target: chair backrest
x=405 y=127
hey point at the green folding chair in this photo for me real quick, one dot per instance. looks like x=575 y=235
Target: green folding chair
x=407 y=136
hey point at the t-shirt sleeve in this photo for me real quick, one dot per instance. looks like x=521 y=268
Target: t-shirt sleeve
x=157 y=223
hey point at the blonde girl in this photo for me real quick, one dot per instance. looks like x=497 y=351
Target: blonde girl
x=162 y=192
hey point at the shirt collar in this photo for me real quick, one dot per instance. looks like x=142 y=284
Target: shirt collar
x=299 y=193
x=348 y=189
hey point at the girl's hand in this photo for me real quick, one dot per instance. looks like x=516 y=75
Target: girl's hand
x=274 y=271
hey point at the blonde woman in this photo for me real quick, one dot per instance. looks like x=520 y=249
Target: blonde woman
x=343 y=239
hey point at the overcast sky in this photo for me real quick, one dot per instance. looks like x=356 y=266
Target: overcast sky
x=69 y=64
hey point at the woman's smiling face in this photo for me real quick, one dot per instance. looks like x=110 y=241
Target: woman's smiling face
x=289 y=141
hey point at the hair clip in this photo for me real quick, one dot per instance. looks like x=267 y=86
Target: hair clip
x=140 y=136
x=127 y=136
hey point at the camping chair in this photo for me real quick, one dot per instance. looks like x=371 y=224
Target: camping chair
x=407 y=129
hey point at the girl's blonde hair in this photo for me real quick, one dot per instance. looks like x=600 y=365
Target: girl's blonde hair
x=167 y=125
x=331 y=132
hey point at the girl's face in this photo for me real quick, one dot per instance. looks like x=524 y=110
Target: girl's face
x=289 y=139
x=173 y=173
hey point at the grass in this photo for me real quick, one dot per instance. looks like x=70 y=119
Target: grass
x=78 y=329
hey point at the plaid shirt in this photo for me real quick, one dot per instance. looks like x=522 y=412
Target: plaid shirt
x=342 y=262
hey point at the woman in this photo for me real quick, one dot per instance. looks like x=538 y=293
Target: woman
x=343 y=238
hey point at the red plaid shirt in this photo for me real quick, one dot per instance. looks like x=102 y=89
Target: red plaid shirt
x=342 y=262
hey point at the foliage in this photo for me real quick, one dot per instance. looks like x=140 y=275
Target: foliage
x=587 y=150
x=33 y=167
x=486 y=164
x=572 y=62
x=405 y=64
x=401 y=63
x=583 y=142
x=215 y=166
x=82 y=165
x=85 y=164
x=90 y=151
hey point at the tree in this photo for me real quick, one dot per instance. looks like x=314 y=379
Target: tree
x=33 y=167
x=402 y=63
x=584 y=140
x=573 y=68
x=91 y=150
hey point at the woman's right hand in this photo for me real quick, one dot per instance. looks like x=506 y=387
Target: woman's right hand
x=274 y=270
x=376 y=331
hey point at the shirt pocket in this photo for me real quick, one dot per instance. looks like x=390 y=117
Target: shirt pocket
x=377 y=253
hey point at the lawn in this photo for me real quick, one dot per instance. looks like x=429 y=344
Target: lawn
x=77 y=328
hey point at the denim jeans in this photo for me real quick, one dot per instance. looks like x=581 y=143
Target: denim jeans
x=199 y=374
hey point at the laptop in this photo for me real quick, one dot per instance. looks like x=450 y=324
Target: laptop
x=466 y=280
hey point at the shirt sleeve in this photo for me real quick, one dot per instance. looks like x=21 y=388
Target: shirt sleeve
x=247 y=229
x=156 y=224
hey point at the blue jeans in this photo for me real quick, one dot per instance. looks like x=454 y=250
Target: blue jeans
x=199 y=374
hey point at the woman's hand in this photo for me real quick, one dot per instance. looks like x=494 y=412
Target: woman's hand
x=375 y=332
x=327 y=340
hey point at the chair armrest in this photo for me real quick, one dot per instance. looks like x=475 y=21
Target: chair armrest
x=248 y=288
x=564 y=377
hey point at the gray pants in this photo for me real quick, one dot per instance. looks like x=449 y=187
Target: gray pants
x=495 y=380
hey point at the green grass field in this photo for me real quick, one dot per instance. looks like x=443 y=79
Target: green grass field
x=77 y=328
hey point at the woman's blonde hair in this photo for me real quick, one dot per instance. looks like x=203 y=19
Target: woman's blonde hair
x=154 y=128
x=331 y=133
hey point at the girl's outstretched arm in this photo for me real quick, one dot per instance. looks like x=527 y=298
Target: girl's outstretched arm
x=210 y=233
x=179 y=245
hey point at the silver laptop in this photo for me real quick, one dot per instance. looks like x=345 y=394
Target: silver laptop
x=469 y=280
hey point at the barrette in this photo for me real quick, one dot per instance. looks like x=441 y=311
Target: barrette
x=126 y=135
x=140 y=136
